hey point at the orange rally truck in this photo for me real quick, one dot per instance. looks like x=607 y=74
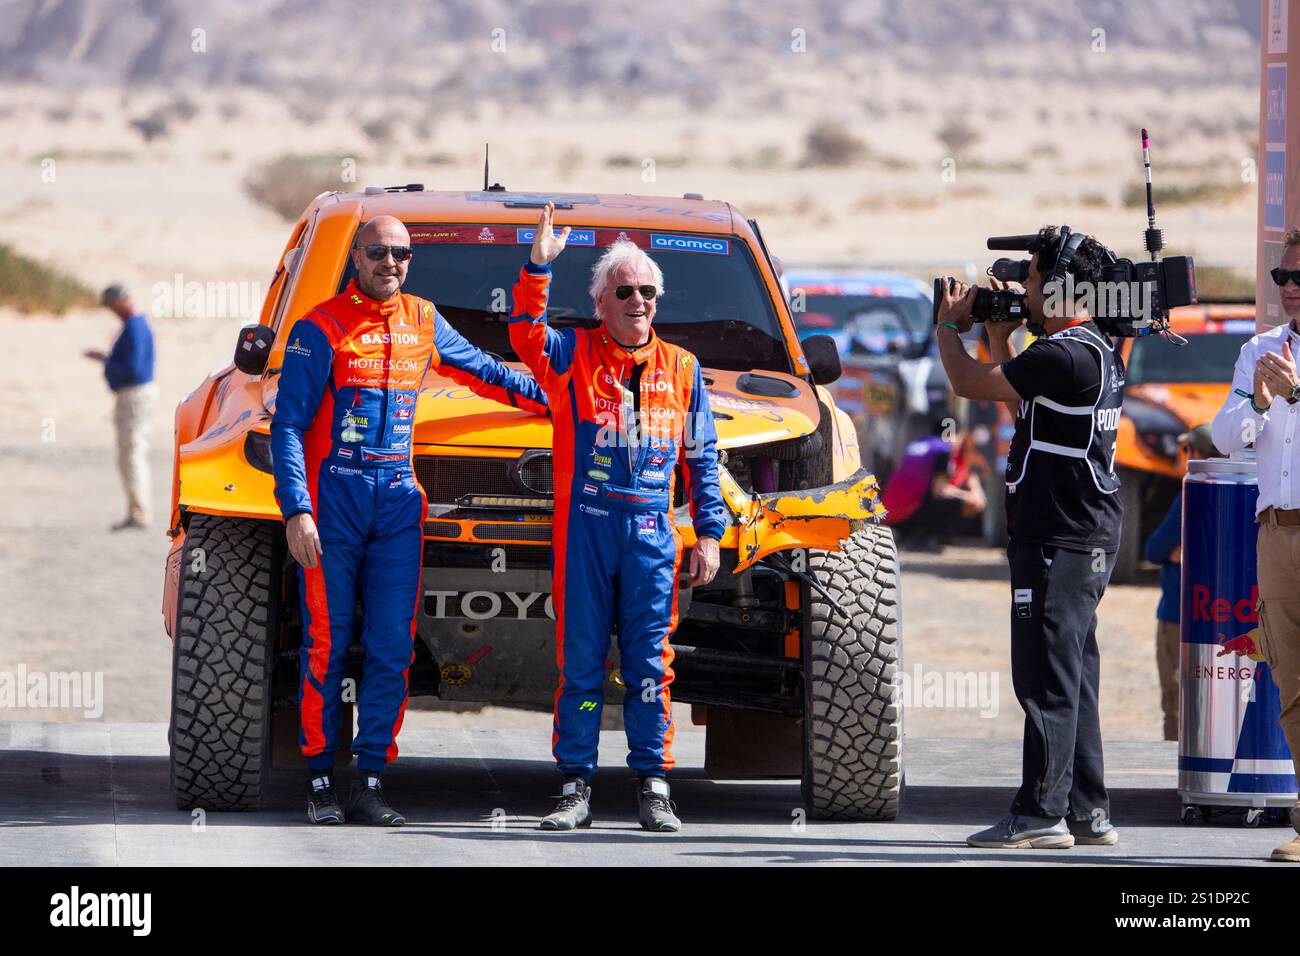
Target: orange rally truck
x=790 y=657
x=1168 y=390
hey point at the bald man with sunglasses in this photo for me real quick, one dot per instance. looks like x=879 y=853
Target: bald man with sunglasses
x=1263 y=408
x=341 y=446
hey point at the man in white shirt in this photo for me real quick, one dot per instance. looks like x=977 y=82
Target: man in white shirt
x=1264 y=408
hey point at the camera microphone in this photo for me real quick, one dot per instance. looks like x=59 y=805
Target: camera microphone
x=1013 y=243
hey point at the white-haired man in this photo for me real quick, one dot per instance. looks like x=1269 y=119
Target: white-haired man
x=626 y=408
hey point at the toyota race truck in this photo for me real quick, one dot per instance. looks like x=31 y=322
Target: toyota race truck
x=790 y=657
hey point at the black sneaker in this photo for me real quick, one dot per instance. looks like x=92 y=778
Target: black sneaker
x=658 y=813
x=367 y=804
x=574 y=808
x=322 y=806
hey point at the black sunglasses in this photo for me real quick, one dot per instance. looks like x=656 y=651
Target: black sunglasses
x=1282 y=276
x=647 y=291
x=377 y=252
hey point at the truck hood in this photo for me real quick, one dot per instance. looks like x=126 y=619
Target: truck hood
x=750 y=408
x=1194 y=403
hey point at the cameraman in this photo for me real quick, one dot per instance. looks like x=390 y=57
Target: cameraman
x=1063 y=520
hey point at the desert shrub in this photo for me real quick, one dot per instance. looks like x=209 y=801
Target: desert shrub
x=286 y=184
x=956 y=135
x=828 y=143
x=31 y=286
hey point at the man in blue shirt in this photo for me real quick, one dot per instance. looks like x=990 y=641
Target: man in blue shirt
x=1165 y=548
x=128 y=368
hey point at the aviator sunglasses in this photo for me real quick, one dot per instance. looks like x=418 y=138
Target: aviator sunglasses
x=1282 y=276
x=376 y=251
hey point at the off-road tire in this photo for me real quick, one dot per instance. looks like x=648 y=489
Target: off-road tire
x=222 y=662
x=1129 y=555
x=853 y=709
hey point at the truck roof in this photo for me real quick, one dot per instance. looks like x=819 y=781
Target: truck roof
x=411 y=204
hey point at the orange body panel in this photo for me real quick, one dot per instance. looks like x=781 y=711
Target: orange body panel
x=213 y=474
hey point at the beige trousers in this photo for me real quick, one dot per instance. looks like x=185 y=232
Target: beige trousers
x=1168 y=649
x=1278 y=561
x=132 y=416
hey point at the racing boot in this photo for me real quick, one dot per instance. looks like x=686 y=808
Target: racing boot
x=322 y=806
x=574 y=808
x=367 y=804
x=658 y=813
x=1015 y=832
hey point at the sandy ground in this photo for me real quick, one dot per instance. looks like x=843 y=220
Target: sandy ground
x=77 y=597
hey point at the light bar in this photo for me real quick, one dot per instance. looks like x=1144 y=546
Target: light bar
x=505 y=501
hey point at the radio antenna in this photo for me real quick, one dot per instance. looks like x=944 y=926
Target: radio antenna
x=486 y=148
x=1154 y=239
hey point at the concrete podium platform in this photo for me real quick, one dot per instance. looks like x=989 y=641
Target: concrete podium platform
x=98 y=794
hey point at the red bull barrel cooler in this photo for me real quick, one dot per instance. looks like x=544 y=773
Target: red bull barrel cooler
x=1231 y=750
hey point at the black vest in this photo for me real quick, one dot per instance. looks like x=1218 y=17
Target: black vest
x=1061 y=482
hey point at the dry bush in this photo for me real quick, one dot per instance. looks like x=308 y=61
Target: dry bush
x=1220 y=282
x=286 y=184
x=1203 y=191
x=181 y=108
x=957 y=135
x=380 y=130
x=29 y=286
x=151 y=127
x=828 y=143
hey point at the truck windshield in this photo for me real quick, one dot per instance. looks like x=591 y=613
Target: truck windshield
x=714 y=302
x=1208 y=358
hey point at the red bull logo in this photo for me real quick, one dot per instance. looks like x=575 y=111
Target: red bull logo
x=1245 y=645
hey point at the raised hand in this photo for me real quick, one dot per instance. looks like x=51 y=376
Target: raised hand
x=547 y=245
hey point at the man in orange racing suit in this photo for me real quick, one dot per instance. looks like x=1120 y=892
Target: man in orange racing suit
x=627 y=407
x=341 y=448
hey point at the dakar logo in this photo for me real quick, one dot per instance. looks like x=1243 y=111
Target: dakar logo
x=485 y=235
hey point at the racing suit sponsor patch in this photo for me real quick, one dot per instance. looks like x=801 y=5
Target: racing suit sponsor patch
x=717 y=247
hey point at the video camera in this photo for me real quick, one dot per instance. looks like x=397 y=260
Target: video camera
x=1133 y=298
